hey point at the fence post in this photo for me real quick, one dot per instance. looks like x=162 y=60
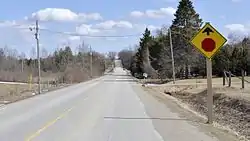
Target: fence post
x=224 y=81
x=230 y=79
x=242 y=80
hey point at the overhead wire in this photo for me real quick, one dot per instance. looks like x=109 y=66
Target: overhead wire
x=87 y=35
x=20 y=26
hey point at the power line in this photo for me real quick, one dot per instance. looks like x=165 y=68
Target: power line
x=86 y=35
x=19 y=26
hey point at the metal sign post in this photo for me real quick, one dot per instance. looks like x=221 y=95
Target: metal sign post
x=208 y=41
x=209 y=91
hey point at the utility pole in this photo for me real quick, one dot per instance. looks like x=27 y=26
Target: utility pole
x=90 y=48
x=22 y=64
x=172 y=54
x=38 y=57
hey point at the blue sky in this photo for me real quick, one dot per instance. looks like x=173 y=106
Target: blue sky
x=109 y=17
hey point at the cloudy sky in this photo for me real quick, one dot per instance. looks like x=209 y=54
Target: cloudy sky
x=99 y=18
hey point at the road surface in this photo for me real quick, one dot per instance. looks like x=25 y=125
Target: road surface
x=105 y=109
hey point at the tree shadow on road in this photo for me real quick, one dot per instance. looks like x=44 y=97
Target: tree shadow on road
x=119 y=80
x=151 y=118
x=119 y=75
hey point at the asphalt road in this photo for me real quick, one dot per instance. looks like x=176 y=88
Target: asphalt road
x=104 y=109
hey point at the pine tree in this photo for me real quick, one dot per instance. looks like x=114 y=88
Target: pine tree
x=145 y=42
x=68 y=54
x=136 y=63
x=183 y=28
x=164 y=61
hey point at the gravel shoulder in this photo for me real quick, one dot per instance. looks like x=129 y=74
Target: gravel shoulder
x=160 y=101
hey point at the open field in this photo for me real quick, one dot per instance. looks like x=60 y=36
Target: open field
x=13 y=92
x=199 y=85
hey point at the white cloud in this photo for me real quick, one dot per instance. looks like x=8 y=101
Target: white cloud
x=157 y=13
x=114 y=28
x=7 y=23
x=61 y=14
x=237 y=28
x=175 y=0
x=114 y=24
x=86 y=29
x=90 y=16
x=237 y=31
x=110 y=38
x=74 y=38
x=24 y=28
x=142 y=27
x=161 y=13
x=136 y=14
x=153 y=28
x=111 y=28
x=236 y=0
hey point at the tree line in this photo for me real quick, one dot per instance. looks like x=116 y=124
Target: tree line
x=62 y=65
x=153 y=55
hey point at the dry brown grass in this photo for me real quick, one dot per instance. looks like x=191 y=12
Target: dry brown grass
x=14 y=92
x=74 y=75
x=231 y=105
x=14 y=76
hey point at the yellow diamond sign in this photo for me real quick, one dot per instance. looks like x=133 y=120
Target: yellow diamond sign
x=208 y=41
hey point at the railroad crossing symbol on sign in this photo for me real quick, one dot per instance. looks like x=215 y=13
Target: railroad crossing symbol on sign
x=208 y=41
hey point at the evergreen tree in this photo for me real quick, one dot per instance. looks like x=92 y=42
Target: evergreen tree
x=164 y=61
x=145 y=42
x=154 y=52
x=136 y=64
x=183 y=28
x=68 y=55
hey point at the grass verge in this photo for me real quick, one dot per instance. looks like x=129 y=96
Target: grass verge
x=229 y=111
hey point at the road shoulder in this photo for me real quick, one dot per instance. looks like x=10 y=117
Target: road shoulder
x=156 y=103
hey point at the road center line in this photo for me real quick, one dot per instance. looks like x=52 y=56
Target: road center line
x=38 y=132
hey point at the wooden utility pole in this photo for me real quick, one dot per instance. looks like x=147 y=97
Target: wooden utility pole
x=172 y=54
x=90 y=48
x=38 y=57
x=22 y=64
